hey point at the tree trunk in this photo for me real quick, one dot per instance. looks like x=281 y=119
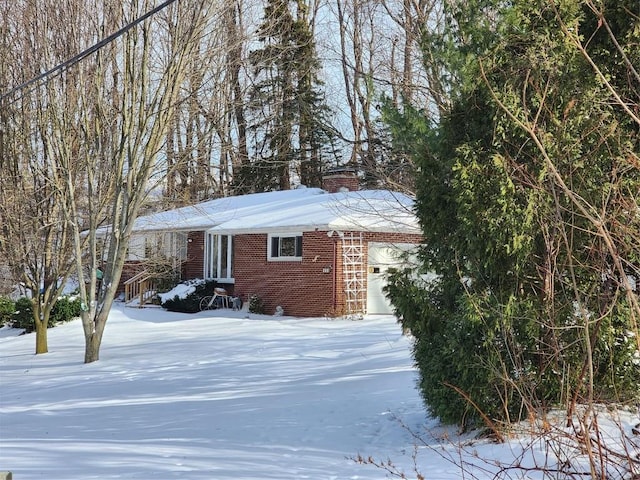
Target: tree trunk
x=42 y=344
x=92 y=347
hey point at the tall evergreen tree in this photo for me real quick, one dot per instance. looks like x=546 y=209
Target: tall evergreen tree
x=290 y=127
x=526 y=195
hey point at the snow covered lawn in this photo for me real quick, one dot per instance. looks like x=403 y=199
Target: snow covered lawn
x=208 y=397
x=218 y=396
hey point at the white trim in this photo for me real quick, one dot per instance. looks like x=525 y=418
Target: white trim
x=293 y=258
x=212 y=241
x=277 y=231
x=380 y=257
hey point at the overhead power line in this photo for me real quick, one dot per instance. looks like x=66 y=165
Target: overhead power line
x=58 y=69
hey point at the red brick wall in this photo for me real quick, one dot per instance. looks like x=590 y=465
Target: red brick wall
x=391 y=237
x=130 y=269
x=194 y=265
x=334 y=183
x=301 y=288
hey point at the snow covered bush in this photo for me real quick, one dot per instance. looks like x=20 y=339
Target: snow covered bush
x=66 y=309
x=188 y=304
x=185 y=297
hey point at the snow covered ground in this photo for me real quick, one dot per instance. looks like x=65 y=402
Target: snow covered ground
x=221 y=395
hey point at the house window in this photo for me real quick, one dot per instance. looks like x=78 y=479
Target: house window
x=218 y=257
x=285 y=247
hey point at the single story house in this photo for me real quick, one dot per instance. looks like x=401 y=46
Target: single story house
x=312 y=251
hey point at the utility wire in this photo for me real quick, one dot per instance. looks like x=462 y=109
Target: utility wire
x=84 y=54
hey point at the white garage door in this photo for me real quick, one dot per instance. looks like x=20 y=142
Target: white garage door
x=382 y=256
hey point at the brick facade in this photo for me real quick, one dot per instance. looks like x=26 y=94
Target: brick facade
x=301 y=288
x=311 y=287
x=337 y=182
x=194 y=266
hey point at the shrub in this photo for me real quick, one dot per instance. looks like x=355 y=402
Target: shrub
x=7 y=307
x=23 y=315
x=256 y=305
x=190 y=303
x=65 y=310
x=482 y=357
x=167 y=281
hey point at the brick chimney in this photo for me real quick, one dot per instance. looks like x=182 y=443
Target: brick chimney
x=341 y=179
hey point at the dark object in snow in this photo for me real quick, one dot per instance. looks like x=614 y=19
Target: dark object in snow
x=236 y=303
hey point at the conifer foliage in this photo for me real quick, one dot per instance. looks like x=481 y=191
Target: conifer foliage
x=527 y=194
x=290 y=127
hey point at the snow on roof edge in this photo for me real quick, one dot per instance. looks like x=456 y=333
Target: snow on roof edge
x=290 y=210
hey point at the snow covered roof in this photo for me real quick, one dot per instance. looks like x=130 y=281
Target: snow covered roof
x=301 y=209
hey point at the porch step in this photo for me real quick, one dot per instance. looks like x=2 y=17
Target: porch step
x=140 y=289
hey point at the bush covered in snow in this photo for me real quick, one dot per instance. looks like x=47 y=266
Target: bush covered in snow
x=185 y=297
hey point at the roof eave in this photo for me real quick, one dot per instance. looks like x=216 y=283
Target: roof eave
x=311 y=228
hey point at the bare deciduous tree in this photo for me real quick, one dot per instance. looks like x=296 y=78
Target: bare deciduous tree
x=149 y=91
x=35 y=239
x=104 y=150
x=383 y=59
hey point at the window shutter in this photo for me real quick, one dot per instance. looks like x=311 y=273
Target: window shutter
x=275 y=246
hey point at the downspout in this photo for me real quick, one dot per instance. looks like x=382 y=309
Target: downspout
x=335 y=273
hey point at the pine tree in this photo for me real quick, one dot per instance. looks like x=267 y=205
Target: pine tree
x=525 y=195
x=290 y=127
